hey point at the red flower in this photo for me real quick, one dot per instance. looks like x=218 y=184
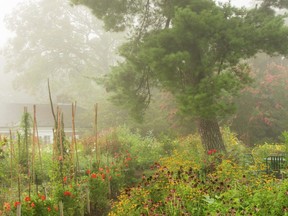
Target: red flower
x=32 y=204
x=67 y=193
x=48 y=208
x=103 y=176
x=88 y=172
x=16 y=203
x=43 y=197
x=27 y=199
x=93 y=175
x=65 y=179
x=101 y=169
x=211 y=151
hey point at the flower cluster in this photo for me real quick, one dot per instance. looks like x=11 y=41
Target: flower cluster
x=67 y=193
x=211 y=151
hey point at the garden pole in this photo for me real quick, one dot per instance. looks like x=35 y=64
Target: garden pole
x=19 y=189
x=74 y=143
x=11 y=156
x=61 y=208
x=33 y=145
x=18 y=210
x=95 y=132
x=108 y=173
x=38 y=144
x=88 y=201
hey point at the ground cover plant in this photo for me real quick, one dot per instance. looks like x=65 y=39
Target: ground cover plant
x=126 y=180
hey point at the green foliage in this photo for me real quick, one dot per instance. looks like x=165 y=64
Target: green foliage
x=228 y=191
x=262 y=151
x=179 y=185
x=169 y=175
x=192 y=49
x=24 y=140
x=197 y=58
x=4 y=157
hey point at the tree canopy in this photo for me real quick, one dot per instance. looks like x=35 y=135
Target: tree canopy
x=193 y=49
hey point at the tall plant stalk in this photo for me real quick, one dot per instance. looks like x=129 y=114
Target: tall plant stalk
x=74 y=141
x=37 y=140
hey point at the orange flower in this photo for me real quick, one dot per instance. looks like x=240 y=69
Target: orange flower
x=27 y=199
x=101 y=169
x=56 y=208
x=32 y=204
x=7 y=206
x=93 y=175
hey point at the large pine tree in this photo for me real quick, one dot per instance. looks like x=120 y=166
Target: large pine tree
x=191 y=48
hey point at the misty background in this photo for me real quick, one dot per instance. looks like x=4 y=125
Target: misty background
x=49 y=39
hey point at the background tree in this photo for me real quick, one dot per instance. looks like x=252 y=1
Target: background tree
x=261 y=114
x=69 y=46
x=193 y=49
x=65 y=44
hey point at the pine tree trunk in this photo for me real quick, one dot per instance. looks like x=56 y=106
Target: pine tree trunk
x=210 y=134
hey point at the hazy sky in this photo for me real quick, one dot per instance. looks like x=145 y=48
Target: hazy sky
x=7 y=5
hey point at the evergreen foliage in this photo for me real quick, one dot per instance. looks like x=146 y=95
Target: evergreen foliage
x=193 y=49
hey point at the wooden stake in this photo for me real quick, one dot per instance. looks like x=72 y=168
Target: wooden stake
x=95 y=132
x=19 y=188
x=74 y=141
x=39 y=146
x=88 y=201
x=11 y=156
x=18 y=213
x=33 y=145
x=61 y=208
